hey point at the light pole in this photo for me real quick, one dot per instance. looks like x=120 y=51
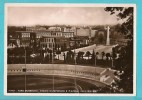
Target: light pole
x=52 y=63
x=95 y=59
x=25 y=70
x=95 y=62
x=75 y=68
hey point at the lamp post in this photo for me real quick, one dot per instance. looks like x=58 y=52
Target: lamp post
x=52 y=63
x=24 y=70
x=75 y=68
x=95 y=59
x=95 y=63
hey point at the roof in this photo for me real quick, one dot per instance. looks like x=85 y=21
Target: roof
x=35 y=31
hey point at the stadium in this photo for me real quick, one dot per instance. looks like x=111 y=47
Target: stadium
x=57 y=78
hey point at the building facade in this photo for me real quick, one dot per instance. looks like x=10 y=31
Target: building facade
x=42 y=37
x=47 y=43
x=27 y=38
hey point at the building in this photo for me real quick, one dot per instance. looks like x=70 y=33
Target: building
x=84 y=40
x=79 y=41
x=55 y=31
x=83 y=31
x=45 y=38
x=12 y=43
x=62 y=43
x=93 y=32
x=75 y=42
x=54 y=28
x=47 y=42
x=68 y=34
x=27 y=38
x=68 y=29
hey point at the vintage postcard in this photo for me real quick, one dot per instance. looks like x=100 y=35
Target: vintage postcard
x=70 y=49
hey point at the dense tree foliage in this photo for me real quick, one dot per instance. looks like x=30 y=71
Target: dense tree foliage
x=125 y=60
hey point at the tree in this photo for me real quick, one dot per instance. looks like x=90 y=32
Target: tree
x=101 y=38
x=93 y=58
x=64 y=57
x=50 y=53
x=126 y=79
x=63 y=48
x=69 y=56
x=113 y=53
x=80 y=54
x=124 y=13
x=88 y=54
x=103 y=54
x=107 y=56
x=58 y=52
x=97 y=53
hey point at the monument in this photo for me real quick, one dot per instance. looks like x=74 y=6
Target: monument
x=108 y=39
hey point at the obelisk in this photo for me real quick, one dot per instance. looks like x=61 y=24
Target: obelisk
x=108 y=39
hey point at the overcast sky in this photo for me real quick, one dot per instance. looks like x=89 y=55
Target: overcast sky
x=27 y=16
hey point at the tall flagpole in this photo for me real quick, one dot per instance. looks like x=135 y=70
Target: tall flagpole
x=25 y=70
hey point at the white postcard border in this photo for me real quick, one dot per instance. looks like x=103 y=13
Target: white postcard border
x=66 y=5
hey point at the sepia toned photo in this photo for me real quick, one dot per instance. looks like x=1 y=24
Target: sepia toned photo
x=70 y=49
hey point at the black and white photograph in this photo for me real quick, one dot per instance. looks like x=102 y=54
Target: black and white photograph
x=70 y=49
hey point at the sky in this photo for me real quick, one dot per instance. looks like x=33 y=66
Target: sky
x=28 y=16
